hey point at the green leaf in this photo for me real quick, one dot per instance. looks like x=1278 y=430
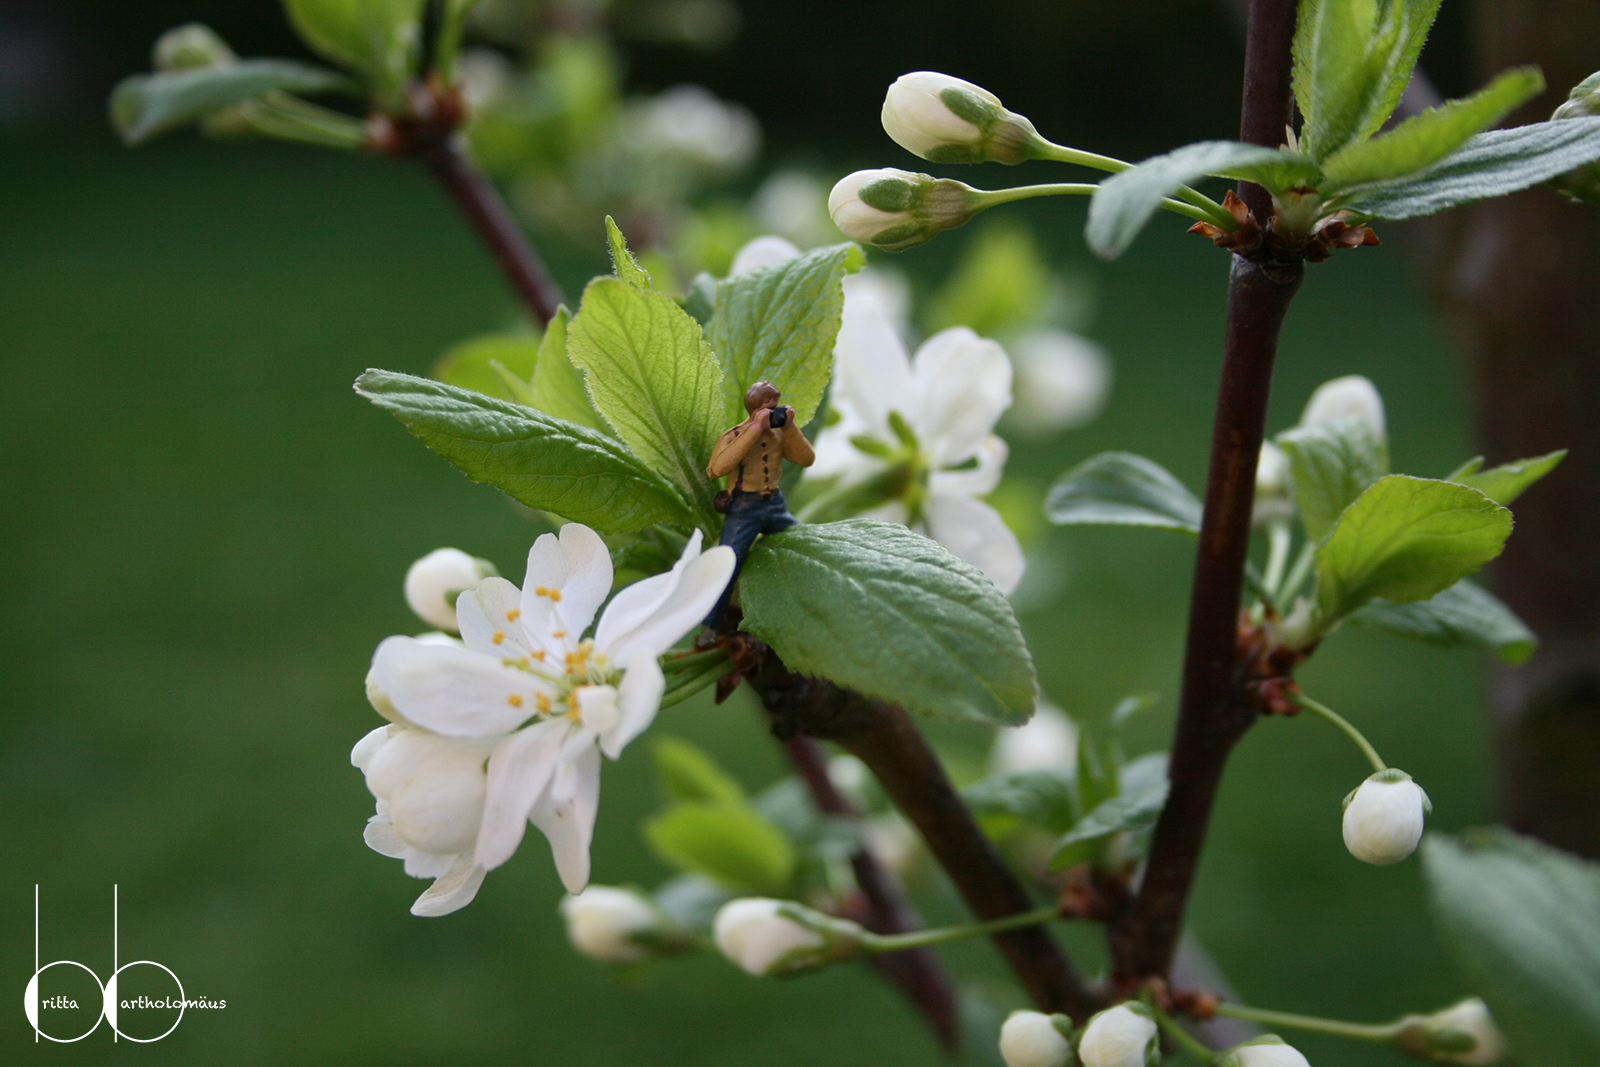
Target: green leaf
x=892 y=615
x=147 y=104
x=472 y=365
x=1126 y=812
x=1046 y=798
x=779 y=324
x=1424 y=139
x=1505 y=483
x=730 y=844
x=1124 y=202
x=1408 y=24
x=1464 y=614
x=1341 y=61
x=379 y=38
x=688 y=773
x=1491 y=164
x=1406 y=539
x=1471 y=466
x=622 y=261
x=1520 y=918
x=1122 y=489
x=558 y=387
x=1330 y=464
x=541 y=461
x=651 y=375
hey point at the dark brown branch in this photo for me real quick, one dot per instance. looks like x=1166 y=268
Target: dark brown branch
x=917 y=972
x=481 y=202
x=884 y=738
x=1213 y=713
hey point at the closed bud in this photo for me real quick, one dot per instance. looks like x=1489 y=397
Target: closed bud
x=1032 y=1039
x=1463 y=1033
x=1123 y=1036
x=615 y=925
x=1349 y=397
x=1268 y=1050
x=1383 y=817
x=434 y=581
x=947 y=120
x=896 y=209
x=1582 y=183
x=191 y=47
x=1273 y=502
x=768 y=937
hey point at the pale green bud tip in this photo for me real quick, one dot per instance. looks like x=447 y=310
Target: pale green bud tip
x=190 y=47
x=611 y=925
x=1268 y=1050
x=766 y=937
x=1352 y=396
x=1384 y=816
x=1463 y=1033
x=435 y=581
x=947 y=120
x=1582 y=183
x=1123 y=1036
x=1032 y=1039
x=896 y=209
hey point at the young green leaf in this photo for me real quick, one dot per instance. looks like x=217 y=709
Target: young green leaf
x=1505 y=483
x=1342 y=55
x=1330 y=464
x=688 y=773
x=1406 y=539
x=1124 y=812
x=890 y=614
x=1519 y=916
x=1407 y=31
x=622 y=261
x=1426 y=138
x=651 y=375
x=558 y=387
x=1124 y=202
x=1046 y=798
x=779 y=324
x=1491 y=164
x=1122 y=489
x=1464 y=614
x=147 y=104
x=379 y=38
x=495 y=364
x=728 y=843
x=541 y=461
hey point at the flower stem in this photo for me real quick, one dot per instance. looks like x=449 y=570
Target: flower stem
x=1181 y=1037
x=1278 y=539
x=1344 y=724
x=1298 y=573
x=1338 y=1028
x=1209 y=212
x=1063 y=154
x=690 y=682
x=922 y=938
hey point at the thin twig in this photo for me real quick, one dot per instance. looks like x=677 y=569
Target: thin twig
x=1212 y=712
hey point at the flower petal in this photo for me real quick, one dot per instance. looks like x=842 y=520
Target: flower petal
x=872 y=373
x=963 y=384
x=639 y=601
x=453 y=890
x=768 y=251
x=362 y=754
x=638 y=700
x=975 y=532
x=636 y=632
x=490 y=619
x=568 y=578
x=569 y=824
x=454 y=691
x=381 y=837
x=520 y=768
x=974 y=481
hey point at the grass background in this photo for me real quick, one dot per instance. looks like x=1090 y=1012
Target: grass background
x=202 y=537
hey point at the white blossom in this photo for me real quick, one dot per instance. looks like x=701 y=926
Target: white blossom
x=547 y=701
x=435 y=581
x=1123 y=1036
x=1062 y=380
x=607 y=923
x=1268 y=1050
x=1383 y=818
x=1030 y=1039
x=752 y=933
x=1349 y=397
x=1049 y=739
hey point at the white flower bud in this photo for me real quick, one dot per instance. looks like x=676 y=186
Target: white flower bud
x=1463 y=1033
x=1062 y=380
x=1273 y=501
x=1030 y=1039
x=1268 y=1050
x=435 y=580
x=947 y=120
x=896 y=209
x=611 y=925
x=768 y=937
x=1383 y=817
x=1049 y=739
x=1583 y=183
x=1123 y=1036
x=1349 y=397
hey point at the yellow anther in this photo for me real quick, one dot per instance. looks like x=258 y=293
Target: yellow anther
x=541 y=702
x=553 y=594
x=558 y=634
x=515 y=700
x=513 y=615
x=537 y=654
x=499 y=636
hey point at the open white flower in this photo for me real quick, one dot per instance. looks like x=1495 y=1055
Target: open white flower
x=546 y=699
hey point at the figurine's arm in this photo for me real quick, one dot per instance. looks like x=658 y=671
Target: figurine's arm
x=732 y=447
x=796 y=449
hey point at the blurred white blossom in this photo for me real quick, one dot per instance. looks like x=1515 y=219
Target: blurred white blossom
x=1049 y=739
x=1349 y=397
x=1062 y=380
x=1443 y=1035
x=610 y=924
x=763 y=937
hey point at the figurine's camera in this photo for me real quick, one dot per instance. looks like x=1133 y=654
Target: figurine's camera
x=779 y=418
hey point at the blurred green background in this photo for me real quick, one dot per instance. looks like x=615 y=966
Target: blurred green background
x=204 y=533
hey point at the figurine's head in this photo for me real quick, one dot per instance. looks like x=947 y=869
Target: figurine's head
x=760 y=395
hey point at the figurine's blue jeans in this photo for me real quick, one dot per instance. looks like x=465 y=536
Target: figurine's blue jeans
x=749 y=516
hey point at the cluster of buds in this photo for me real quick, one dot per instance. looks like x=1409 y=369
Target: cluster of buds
x=896 y=209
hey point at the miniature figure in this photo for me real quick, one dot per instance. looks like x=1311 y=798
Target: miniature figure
x=750 y=456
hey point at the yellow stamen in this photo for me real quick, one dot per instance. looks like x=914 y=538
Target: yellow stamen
x=541 y=702
x=513 y=615
x=553 y=594
x=515 y=700
x=558 y=634
x=537 y=654
x=499 y=636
